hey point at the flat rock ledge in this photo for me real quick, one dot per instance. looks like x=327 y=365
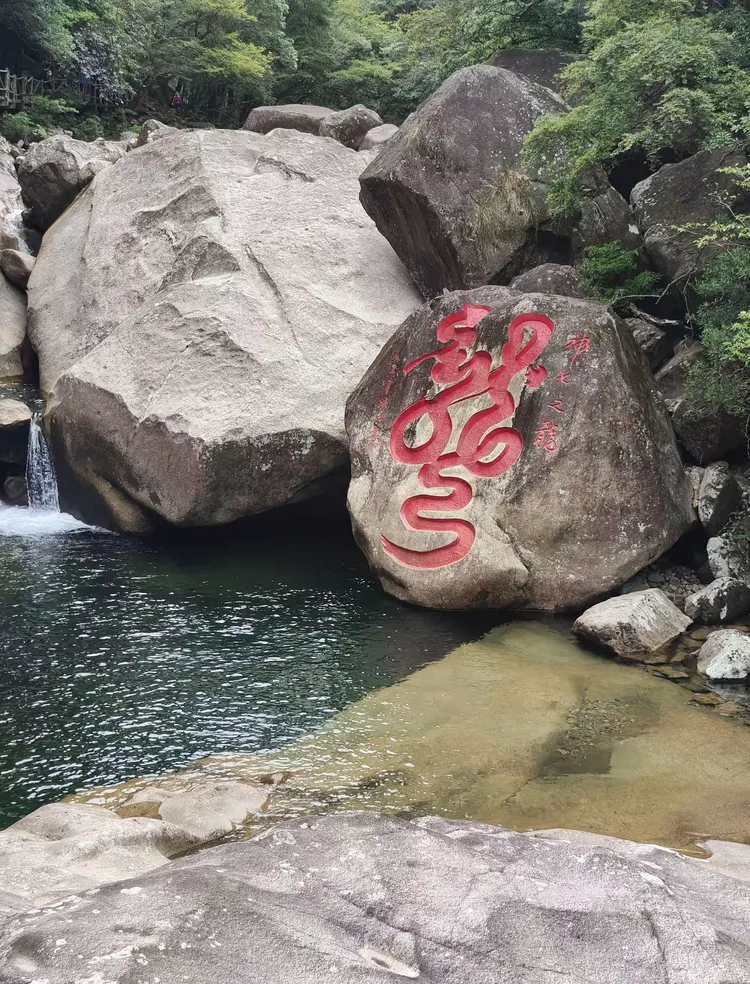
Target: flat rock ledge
x=357 y=898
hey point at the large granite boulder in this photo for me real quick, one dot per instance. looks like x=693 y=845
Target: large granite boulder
x=583 y=486
x=12 y=330
x=634 y=625
x=452 y=195
x=683 y=193
x=201 y=314
x=723 y=600
x=364 y=899
x=350 y=126
x=56 y=170
x=293 y=116
x=549 y=278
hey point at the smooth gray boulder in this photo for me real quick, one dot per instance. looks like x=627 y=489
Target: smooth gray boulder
x=725 y=655
x=549 y=278
x=293 y=116
x=360 y=898
x=16 y=266
x=201 y=314
x=452 y=194
x=719 y=496
x=350 y=126
x=12 y=330
x=723 y=600
x=54 y=171
x=679 y=194
x=152 y=130
x=379 y=135
x=653 y=341
x=13 y=414
x=542 y=483
x=633 y=625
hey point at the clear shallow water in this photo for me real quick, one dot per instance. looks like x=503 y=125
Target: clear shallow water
x=124 y=658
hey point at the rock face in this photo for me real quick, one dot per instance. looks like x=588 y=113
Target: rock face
x=152 y=130
x=379 y=135
x=350 y=126
x=724 y=600
x=725 y=655
x=16 y=266
x=72 y=847
x=719 y=496
x=12 y=330
x=221 y=267
x=653 y=341
x=706 y=433
x=451 y=195
x=678 y=194
x=549 y=278
x=376 y=898
x=583 y=486
x=302 y=117
x=55 y=170
x=671 y=378
x=729 y=555
x=539 y=65
x=633 y=625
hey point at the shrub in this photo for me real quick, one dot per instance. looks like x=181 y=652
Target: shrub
x=610 y=274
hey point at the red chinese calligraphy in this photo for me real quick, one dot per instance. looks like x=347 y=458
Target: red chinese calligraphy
x=556 y=405
x=563 y=378
x=467 y=376
x=546 y=436
x=577 y=345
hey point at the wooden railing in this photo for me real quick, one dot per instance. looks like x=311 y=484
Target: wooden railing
x=16 y=90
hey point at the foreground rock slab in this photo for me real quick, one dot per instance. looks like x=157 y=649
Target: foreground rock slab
x=359 y=898
x=202 y=312
x=633 y=625
x=543 y=483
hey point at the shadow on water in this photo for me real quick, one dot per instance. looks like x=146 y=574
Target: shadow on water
x=125 y=657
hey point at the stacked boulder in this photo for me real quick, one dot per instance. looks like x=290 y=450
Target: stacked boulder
x=350 y=127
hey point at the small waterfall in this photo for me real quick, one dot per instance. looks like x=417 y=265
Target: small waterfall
x=15 y=233
x=40 y=472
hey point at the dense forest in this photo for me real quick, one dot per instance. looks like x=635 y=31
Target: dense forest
x=659 y=81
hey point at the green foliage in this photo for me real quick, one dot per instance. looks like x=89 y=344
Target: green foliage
x=611 y=274
x=663 y=78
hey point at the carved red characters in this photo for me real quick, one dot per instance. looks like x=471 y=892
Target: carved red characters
x=467 y=376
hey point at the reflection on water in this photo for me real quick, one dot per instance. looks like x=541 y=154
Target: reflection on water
x=525 y=730
x=123 y=658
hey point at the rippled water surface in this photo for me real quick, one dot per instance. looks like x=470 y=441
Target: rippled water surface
x=123 y=657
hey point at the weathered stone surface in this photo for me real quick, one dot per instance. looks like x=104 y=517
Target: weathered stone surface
x=303 y=117
x=14 y=490
x=725 y=655
x=719 y=496
x=653 y=341
x=13 y=414
x=706 y=433
x=587 y=489
x=670 y=379
x=71 y=847
x=723 y=600
x=16 y=266
x=549 y=278
x=379 y=135
x=221 y=267
x=695 y=477
x=632 y=625
x=350 y=126
x=729 y=554
x=677 y=583
x=12 y=330
x=376 y=899
x=11 y=202
x=152 y=130
x=678 y=194
x=539 y=65
x=55 y=170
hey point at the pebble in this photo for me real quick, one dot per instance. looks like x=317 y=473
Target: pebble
x=701 y=634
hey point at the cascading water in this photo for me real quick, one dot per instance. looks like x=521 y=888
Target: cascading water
x=41 y=482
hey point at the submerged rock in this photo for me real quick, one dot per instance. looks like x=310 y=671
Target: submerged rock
x=583 y=486
x=375 y=898
x=55 y=170
x=725 y=655
x=723 y=600
x=202 y=312
x=633 y=625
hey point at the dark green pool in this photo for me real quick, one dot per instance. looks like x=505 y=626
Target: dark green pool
x=123 y=657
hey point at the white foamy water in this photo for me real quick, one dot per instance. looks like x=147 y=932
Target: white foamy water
x=20 y=521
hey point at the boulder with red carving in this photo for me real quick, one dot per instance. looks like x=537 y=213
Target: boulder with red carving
x=510 y=450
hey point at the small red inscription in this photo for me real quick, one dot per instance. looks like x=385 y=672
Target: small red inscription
x=466 y=377
x=563 y=378
x=577 y=345
x=556 y=405
x=546 y=436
